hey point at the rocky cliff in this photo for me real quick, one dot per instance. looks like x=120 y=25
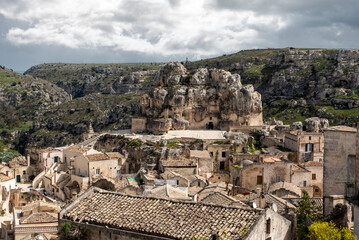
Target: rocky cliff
x=201 y=99
x=84 y=79
x=294 y=83
x=23 y=100
x=299 y=83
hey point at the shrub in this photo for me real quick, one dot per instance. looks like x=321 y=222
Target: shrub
x=321 y=230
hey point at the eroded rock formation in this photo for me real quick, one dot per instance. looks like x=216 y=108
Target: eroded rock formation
x=203 y=99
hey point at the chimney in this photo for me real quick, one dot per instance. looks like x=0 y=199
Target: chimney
x=28 y=159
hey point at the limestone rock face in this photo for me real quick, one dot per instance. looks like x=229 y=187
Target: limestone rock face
x=315 y=124
x=296 y=126
x=203 y=99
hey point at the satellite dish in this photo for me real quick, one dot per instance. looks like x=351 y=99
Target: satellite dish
x=254 y=205
x=275 y=208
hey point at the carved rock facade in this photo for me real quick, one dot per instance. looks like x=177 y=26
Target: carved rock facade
x=204 y=99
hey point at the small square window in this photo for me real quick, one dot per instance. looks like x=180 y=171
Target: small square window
x=97 y=171
x=305 y=183
x=314 y=176
x=277 y=178
x=259 y=180
x=310 y=138
x=224 y=154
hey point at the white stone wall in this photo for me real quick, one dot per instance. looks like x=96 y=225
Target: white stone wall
x=280 y=227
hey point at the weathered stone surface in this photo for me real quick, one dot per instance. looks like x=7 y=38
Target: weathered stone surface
x=204 y=99
x=296 y=126
x=315 y=124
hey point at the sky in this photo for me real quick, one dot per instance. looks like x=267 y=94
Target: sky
x=114 y=31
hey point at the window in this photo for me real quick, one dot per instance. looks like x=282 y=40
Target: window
x=314 y=176
x=56 y=159
x=305 y=183
x=97 y=171
x=259 y=180
x=223 y=154
x=199 y=184
x=221 y=165
x=177 y=182
x=316 y=189
x=309 y=147
x=277 y=179
x=210 y=118
x=310 y=138
x=268 y=226
x=23 y=172
x=211 y=154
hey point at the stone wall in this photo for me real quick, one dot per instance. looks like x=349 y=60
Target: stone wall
x=280 y=228
x=339 y=164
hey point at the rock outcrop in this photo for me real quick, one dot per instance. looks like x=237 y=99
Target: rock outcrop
x=203 y=99
x=315 y=124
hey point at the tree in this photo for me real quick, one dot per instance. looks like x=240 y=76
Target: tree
x=307 y=211
x=69 y=232
x=321 y=230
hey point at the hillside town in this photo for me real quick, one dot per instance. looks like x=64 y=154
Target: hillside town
x=199 y=162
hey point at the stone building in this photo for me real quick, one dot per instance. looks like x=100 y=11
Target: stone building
x=6 y=185
x=339 y=166
x=119 y=216
x=308 y=145
x=256 y=173
x=35 y=218
x=21 y=169
x=49 y=156
x=354 y=200
x=316 y=169
x=206 y=99
x=89 y=162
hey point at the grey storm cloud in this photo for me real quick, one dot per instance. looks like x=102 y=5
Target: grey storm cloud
x=36 y=31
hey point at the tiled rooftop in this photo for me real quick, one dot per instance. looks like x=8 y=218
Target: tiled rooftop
x=4 y=177
x=179 y=163
x=97 y=157
x=314 y=164
x=41 y=217
x=342 y=128
x=222 y=199
x=115 y=155
x=159 y=217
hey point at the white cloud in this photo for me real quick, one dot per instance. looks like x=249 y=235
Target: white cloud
x=164 y=27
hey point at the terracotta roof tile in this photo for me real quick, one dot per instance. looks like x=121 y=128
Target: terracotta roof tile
x=41 y=217
x=159 y=217
x=4 y=177
x=220 y=198
x=114 y=155
x=97 y=157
